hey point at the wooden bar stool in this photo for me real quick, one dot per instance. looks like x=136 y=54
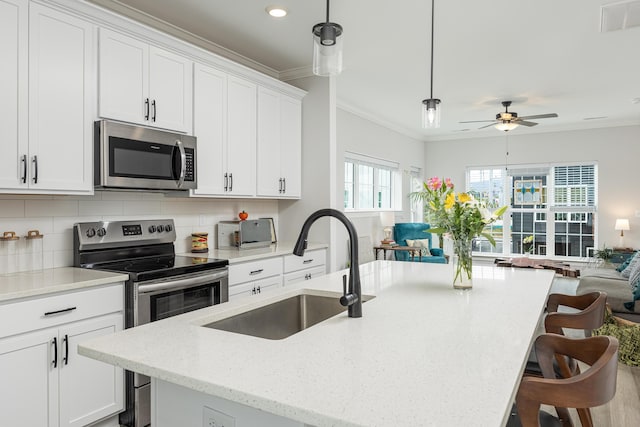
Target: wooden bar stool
x=593 y=387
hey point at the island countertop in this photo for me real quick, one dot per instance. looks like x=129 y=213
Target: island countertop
x=422 y=354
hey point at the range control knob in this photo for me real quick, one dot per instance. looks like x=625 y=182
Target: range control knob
x=168 y=228
x=160 y=228
x=152 y=229
x=91 y=232
x=101 y=231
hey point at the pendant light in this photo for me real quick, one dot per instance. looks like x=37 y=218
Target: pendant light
x=327 y=48
x=431 y=107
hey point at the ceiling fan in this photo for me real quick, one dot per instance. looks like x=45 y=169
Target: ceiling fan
x=509 y=120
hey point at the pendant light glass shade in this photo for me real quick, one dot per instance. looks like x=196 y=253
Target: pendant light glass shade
x=327 y=49
x=431 y=113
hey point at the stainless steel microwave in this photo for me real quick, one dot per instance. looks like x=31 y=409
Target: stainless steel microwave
x=135 y=157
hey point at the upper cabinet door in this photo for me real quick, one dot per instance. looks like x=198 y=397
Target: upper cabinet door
x=13 y=89
x=61 y=87
x=209 y=126
x=291 y=146
x=142 y=84
x=241 y=137
x=170 y=89
x=123 y=74
x=269 y=182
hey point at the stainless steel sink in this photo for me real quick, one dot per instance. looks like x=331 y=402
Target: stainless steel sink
x=283 y=318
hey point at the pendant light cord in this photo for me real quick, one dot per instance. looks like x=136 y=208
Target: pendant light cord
x=432 y=20
x=327 y=11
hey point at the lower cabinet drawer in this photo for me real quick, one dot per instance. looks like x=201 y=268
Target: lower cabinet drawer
x=254 y=287
x=53 y=310
x=254 y=270
x=310 y=259
x=303 y=275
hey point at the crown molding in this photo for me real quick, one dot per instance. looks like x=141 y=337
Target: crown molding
x=296 y=73
x=380 y=121
x=161 y=25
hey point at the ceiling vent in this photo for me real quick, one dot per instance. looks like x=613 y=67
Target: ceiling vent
x=620 y=16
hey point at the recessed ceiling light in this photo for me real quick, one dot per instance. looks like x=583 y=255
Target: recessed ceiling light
x=276 y=11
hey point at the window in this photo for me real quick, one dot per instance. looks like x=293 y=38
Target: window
x=557 y=221
x=370 y=183
x=417 y=209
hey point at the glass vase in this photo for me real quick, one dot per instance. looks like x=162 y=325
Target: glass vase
x=462 y=264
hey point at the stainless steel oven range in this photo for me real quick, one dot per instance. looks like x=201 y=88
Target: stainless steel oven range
x=161 y=284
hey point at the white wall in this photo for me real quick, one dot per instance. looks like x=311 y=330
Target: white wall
x=616 y=151
x=54 y=217
x=359 y=135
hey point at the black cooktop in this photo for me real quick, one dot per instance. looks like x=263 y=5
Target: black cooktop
x=155 y=267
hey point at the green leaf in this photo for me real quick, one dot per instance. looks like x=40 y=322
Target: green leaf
x=437 y=230
x=500 y=211
x=489 y=237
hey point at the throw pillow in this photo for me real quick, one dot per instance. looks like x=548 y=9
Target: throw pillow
x=625 y=264
x=634 y=281
x=420 y=243
x=632 y=264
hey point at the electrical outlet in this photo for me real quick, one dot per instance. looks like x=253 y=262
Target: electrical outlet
x=213 y=418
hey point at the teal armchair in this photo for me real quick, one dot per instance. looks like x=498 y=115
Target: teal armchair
x=416 y=231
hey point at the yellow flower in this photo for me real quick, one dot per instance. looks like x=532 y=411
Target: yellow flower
x=464 y=197
x=449 y=201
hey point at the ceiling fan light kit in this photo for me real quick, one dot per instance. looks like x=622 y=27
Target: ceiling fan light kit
x=509 y=120
x=431 y=110
x=327 y=48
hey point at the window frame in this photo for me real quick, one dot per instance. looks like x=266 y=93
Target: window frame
x=394 y=187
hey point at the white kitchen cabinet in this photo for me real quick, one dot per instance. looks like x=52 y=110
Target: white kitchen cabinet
x=143 y=84
x=254 y=277
x=225 y=125
x=47 y=140
x=311 y=264
x=279 y=145
x=14 y=142
x=45 y=381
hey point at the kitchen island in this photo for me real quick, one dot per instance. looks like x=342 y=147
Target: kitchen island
x=422 y=354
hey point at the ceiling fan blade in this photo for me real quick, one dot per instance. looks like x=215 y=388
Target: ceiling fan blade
x=525 y=123
x=486 y=126
x=540 y=116
x=479 y=121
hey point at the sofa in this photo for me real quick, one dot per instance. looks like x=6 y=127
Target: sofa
x=414 y=234
x=616 y=286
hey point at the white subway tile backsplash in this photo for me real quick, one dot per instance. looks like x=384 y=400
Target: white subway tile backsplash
x=11 y=208
x=101 y=207
x=54 y=217
x=48 y=208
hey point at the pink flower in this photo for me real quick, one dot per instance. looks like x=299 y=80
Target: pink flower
x=448 y=183
x=434 y=183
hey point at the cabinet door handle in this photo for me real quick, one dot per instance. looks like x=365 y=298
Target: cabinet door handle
x=284 y=185
x=64 y=310
x=35 y=169
x=307 y=261
x=226 y=182
x=155 y=110
x=65 y=359
x=146 y=109
x=254 y=272
x=280 y=185
x=259 y=289
x=24 y=169
x=55 y=352
x=253 y=291
x=230 y=182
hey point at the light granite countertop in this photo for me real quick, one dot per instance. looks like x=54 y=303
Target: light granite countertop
x=422 y=354
x=42 y=282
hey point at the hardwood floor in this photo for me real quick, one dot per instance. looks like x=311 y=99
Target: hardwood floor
x=624 y=409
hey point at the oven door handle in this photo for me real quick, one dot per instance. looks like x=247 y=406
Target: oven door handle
x=181 y=283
